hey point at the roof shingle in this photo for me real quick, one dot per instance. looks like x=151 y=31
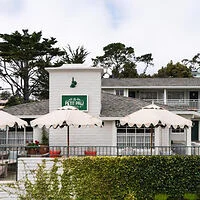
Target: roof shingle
x=111 y=106
x=33 y=108
x=123 y=82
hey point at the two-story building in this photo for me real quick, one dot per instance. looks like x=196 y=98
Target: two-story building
x=109 y=99
x=181 y=94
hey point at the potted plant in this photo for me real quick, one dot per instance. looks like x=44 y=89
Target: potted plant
x=90 y=151
x=44 y=145
x=54 y=153
x=32 y=147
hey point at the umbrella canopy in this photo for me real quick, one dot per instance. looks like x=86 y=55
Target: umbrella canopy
x=7 y=119
x=153 y=115
x=66 y=116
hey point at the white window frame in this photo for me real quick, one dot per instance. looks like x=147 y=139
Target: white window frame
x=134 y=137
x=119 y=92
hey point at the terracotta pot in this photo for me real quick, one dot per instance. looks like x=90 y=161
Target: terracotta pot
x=43 y=149
x=90 y=153
x=32 y=151
x=54 y=153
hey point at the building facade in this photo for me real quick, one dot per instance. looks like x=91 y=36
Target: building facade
x=111 y=99
x=181 y=95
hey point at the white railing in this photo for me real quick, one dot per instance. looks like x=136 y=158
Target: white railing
x=188 y=104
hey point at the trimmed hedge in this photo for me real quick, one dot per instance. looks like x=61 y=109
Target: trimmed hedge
x=143 y=176
x=114 y=178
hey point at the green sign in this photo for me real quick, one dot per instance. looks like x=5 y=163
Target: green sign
x=78 y=101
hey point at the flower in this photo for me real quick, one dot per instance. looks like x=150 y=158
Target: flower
x=32 y=144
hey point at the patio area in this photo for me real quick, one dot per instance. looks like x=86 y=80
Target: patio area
x=9 y=155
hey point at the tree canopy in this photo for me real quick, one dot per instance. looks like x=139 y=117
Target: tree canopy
x=5 y=95
x=120 y=61
x=194 y=63
x=75 y=56
x=177 y=70
x=23 y=58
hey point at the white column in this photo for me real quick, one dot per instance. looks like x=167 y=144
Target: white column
x=126 y=92
x=15 y=138
x=24 y=135
x=7 y=128
x=199 y=132
x=188 y=140
x=114 y=138
x=165 y=96
x=158 y=139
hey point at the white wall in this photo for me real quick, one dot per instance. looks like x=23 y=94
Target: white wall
x=89 y=83
x=94 y=136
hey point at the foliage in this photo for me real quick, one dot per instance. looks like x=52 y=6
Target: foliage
x=120 y=61
x=23 y=58
x=189 y=196
x=161 y=197
x=32 y=143
x=75 y=56
x=45 y=138
x=147 y=58
x=134 y=177
x=177 y=70
x=5 y=95
x=41 y=90
x=46 y=183
x=14 y=100
x=194 y=63
x=129 y=71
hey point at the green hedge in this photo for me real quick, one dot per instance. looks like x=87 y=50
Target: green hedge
x=115 y=178
x=143 y=176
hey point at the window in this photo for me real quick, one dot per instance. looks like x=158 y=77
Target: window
x=119 y=92
x=135 y=137
x=148 y=95
x=3 y=137
x=175 y=95
x=131 y=93
x=16 y=136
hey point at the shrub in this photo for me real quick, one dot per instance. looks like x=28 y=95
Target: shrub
x=189 y=196
x=161 y=197
x=43 y=184
x=116 y=178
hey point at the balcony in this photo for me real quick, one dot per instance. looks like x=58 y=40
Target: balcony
x=179 y=104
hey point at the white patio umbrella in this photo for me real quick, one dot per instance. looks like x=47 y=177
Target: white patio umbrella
x=66 y=116
x=153 y=116
x=7 y=119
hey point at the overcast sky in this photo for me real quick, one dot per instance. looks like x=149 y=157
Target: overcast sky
x=169 y=29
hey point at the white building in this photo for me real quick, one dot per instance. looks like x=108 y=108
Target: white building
x=111 y=99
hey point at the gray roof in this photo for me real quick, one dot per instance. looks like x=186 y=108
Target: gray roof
x=112 y=106
x=33 y=108
x=128 y=82
x=119 y=106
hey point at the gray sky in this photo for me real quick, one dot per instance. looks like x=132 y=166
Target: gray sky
x=169 y=29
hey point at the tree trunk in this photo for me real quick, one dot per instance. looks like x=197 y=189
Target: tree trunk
x=26 y=83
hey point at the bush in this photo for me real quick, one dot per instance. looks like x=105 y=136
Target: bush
x=189 y=196
x=161 y=197
x=116 y=178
